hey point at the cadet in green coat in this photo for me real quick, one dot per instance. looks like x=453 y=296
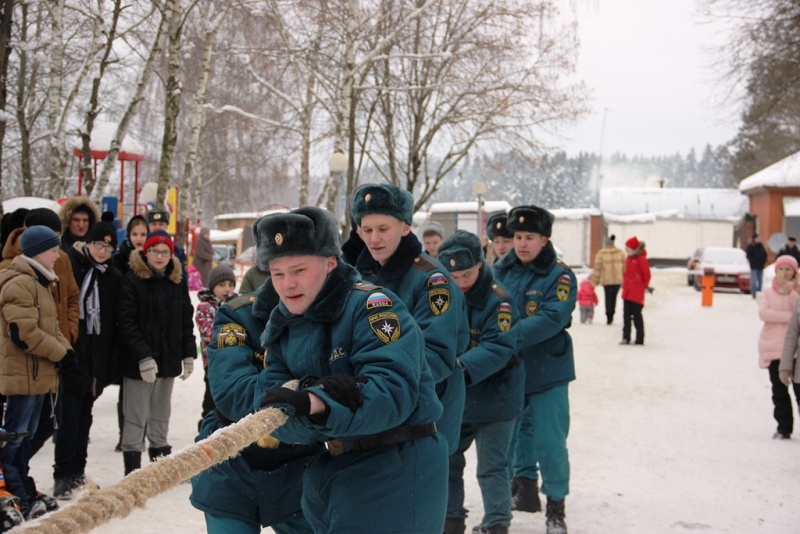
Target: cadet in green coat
x=365 y=389
x=544 y=291
x=261 y=486
x=392 y=257
x=495 y=381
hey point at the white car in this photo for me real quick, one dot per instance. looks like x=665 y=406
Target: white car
x=730 y=266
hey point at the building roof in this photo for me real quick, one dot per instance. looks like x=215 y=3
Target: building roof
x=784 y=173
x=684 y=203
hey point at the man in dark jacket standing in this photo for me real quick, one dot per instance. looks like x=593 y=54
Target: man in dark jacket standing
x=203 y=254
x=757 y=256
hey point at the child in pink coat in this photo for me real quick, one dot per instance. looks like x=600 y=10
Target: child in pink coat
x=775 y=309
x=587 y=300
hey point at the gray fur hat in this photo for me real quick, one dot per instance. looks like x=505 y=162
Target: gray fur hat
x=306 y=231
x=530 y=219
x=496 y=226
x=461 y=251
x=431 y=227
x=382 y=199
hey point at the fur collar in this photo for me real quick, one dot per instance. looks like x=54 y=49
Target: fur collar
x=142 y=270
x=13 y=247
x=542 y=264
x=398 y=264
x=479 y=292
x=327 y=307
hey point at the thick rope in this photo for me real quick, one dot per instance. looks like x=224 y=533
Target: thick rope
x=96 y=507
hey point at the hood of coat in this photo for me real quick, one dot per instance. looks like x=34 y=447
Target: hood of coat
x=72 y=203
x=13 y=248
x=142 y=270
x=327 y=307
x=639 y=251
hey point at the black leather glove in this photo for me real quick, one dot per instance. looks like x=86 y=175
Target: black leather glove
x=292 y=403
x=68 y=361
x=343 y=388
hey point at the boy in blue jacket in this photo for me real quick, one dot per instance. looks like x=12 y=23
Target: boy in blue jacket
x=495 y=379
x=544 y=291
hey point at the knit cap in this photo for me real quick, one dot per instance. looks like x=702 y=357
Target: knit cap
x=43 y=217
x=383 y=199
x=632 y=243
x=610 y=240
x=159 y=237
x=38 y=239
x=104 y=231
x=432 y=227
x=220 y=274
x=461 y=251
x=786 y=260
x=306 y=231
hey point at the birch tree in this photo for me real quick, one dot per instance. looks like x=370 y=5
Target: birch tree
x=6 y=13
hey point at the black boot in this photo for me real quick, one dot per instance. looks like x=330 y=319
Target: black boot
x=157 y=452
x=133 y=461
x=454 y=525
x=496 y=529
x=555 y=517
x=514 y=485
x=527 y=497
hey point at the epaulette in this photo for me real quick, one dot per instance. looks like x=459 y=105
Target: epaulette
x=241 y=301
x=365 y=286
x=564 y=265
x=499 y=291
x=423 y=264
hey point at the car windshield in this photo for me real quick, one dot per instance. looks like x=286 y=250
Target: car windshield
x=725 y=256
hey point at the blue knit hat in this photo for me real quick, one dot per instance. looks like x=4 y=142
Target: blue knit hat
x=461 y=251
x=382 y=199
x=306 y=231
x=38 y=239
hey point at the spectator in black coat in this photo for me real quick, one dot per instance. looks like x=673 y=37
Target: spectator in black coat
x=757 y=256
x=791 y=249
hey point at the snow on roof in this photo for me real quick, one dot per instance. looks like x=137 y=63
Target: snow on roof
x=225 y=235
x=708 y=204
x=248 y=214
x=30 y=203
x=103 y=133
x=575 y=213
x=784 y=173
x=489 y=206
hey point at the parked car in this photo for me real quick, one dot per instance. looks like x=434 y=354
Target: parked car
x=730 y=265
x=244 y=261
x=224 y=253
x=692 y=265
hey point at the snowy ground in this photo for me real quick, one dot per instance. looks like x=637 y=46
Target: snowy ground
x=671 y=437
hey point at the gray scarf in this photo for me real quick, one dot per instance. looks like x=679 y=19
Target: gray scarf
x=90 y=295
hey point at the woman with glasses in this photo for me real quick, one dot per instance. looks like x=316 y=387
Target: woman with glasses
x=95 y=363
x=156 y=328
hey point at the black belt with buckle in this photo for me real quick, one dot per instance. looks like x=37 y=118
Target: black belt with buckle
x=389 y=437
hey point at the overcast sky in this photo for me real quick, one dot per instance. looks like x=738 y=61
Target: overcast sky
x=646 y=62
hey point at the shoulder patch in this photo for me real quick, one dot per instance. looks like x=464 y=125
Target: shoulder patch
x=439 y=300
x=423 y=264
x=378 y=300
x=437 y=279
x=385 y=325
x=365 y=286
x=564 y=279
x=499 y=291
x=240 y=302
x=231 y=335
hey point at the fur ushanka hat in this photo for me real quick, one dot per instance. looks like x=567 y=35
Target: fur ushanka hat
x=531 y=219
x=461 y=251
x=382 y=199
x=496 y=226
x=306 y=231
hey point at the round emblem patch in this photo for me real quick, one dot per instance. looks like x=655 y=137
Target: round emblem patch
x=367 y=197
x=498 y=225
x=452 y=263
x=522 y=218
x=278 y=239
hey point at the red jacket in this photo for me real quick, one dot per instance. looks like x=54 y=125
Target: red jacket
x=637 y=276
x=586 y=294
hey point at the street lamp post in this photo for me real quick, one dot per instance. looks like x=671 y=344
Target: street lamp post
x=480 y=190
x=337 y=163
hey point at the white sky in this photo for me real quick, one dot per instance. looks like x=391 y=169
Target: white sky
x=647 y=62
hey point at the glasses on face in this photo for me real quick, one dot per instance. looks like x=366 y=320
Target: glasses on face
x=162 y=253
x=99 y=245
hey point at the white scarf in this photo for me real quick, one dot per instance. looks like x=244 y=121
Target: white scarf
x=90 y=296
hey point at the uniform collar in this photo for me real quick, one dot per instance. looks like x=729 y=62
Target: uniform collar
x=408 y=249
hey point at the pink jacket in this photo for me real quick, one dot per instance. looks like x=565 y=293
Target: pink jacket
x=776 y=311
x=586 y=294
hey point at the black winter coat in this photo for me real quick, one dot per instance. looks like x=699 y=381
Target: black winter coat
x=156 y=318
x=123 y=257
x=98 y=359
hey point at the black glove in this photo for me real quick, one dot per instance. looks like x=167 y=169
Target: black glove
x=68 y=361
x=292 y=403
x=343 y=388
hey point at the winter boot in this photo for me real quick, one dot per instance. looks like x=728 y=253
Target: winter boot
x=157 y=452
x=62 y=488
x=34 y=495
x=133 y=461
x=555 y=517
x=455 y=525
x=527 y=497
x=496 y=529
x=10 y=516
x=514 y=485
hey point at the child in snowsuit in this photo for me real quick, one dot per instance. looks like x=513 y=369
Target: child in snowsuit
x=587 y=300
x=221 y=287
